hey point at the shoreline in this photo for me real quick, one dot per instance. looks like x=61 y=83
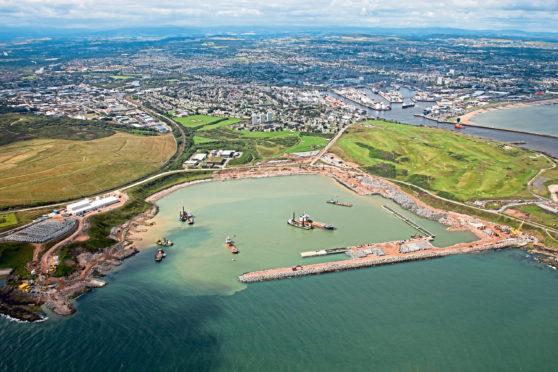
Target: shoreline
x=468 y=117
x=59 y=298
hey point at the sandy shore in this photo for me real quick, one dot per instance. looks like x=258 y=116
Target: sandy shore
x=468 y=117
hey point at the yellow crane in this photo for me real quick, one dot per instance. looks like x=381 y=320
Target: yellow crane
x=518 y=230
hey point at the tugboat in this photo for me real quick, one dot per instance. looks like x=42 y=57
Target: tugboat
x=160 y=255
x=230 y=245
x=337 y=202
x=303 y=222
x=164 y=242
x=183 y=215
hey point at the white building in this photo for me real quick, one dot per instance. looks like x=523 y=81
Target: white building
x=262 y=118
x=270 y=116
x=254 y=119
x=89 y=205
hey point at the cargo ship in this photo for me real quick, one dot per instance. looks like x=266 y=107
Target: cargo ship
x=160 y=255
x=337 y=202
x=230 y=245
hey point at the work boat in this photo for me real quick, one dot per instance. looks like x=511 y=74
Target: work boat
x=303 y=222
x=183 y=215
x=230 y=245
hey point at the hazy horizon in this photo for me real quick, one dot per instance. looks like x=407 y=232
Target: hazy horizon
x=521 y=15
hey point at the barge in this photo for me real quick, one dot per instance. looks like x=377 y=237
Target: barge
x=230 y=245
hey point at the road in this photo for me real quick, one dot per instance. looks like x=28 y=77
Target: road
x=331 y=143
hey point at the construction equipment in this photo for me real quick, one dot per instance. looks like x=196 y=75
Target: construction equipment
x=518 y=231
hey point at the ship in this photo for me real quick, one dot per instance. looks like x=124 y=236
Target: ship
x=408 y=104
x=160 y=255
x=306 y=223
x=337 y=202
x=190 y=218
x=182 y=215
x=303 y=222
x=230 y=245
x=459 y=126
x=164 y=242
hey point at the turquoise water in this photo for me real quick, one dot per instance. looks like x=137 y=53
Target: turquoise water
x=486 y=311
x=541 y=118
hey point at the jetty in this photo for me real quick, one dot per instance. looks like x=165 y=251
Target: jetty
x=409 y=221
x=370 y=255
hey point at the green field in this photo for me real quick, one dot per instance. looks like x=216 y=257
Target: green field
x=248 y=134
x=224 y=123
x=199 y=139
x=7 y=220
x=194 y=121
x=15 y=256
x=454 y=165
x=42 y=170
x=122 y=77
x=309 y=143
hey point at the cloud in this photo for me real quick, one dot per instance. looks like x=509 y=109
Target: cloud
x=531 y=15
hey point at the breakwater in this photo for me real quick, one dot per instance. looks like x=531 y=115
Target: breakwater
x=284 y=273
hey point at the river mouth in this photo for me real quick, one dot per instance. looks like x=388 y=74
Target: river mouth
x=254 y=213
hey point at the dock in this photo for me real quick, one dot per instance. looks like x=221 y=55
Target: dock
x=323 y=252
x=409 y=221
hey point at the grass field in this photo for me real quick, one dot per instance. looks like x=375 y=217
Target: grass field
x=224 y=123
x=309 y=143
x=454 y=165
x=15 y=256
x=7 y=220
x=43 y=170
x=197 y=120
x=199 y=139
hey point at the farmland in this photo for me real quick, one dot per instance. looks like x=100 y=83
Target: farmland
x=42 y=170
x=454 y=165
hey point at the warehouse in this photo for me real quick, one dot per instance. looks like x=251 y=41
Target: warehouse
x=88 y=205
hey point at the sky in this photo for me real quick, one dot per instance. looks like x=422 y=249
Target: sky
x=524 y=15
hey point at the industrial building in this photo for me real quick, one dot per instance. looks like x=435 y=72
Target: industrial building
x=88 y=205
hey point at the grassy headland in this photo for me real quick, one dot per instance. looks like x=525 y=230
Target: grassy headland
x=453 y=165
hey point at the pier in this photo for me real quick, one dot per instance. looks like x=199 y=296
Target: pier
x=408 y=221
